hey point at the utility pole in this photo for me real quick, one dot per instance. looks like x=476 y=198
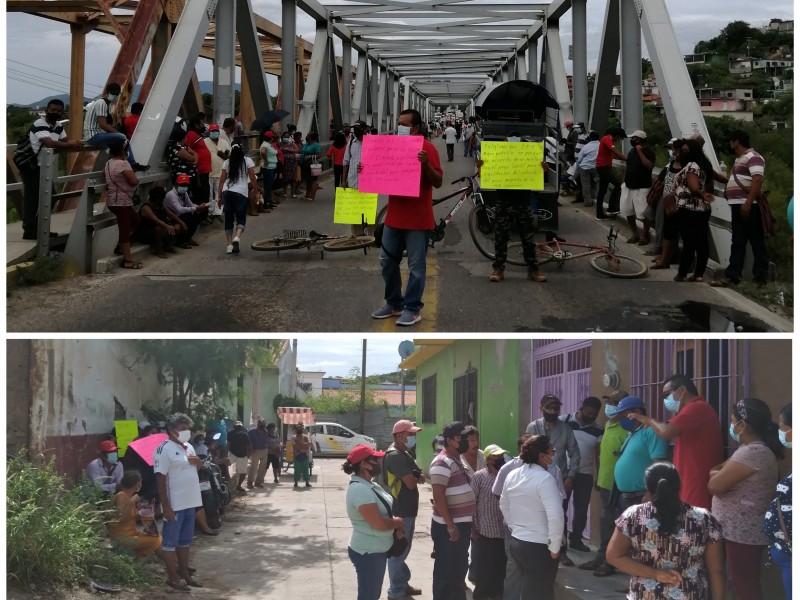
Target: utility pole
x=363 y=383
x=403 y=390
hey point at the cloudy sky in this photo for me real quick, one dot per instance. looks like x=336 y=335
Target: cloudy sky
x=336 y=356
x=38 y=50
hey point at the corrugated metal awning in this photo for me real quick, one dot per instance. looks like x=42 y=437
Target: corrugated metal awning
x=425 y=350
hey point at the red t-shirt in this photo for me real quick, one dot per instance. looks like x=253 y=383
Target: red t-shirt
x=406 y=212
x=697 y=450
x=337 y=154
x=196 y=142
x=604 y=153
x=130 y=123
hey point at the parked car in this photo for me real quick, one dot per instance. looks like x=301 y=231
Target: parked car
x=332 y=439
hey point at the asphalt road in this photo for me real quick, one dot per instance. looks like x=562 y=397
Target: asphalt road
x=205 y=290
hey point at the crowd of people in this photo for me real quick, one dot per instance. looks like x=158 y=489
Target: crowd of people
x=685 y=524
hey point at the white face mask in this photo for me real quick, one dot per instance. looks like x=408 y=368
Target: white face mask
x=403 y=130
x=184 y=436
x=514 y=138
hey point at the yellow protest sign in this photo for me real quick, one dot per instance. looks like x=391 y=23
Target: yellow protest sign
x=351 y=204
x=127 y=431
x=512 y=165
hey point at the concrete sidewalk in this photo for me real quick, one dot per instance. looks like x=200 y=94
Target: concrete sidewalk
x=278 y=542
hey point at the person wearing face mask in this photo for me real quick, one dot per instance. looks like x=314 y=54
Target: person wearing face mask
x=369 y=508
x=453 y=510
x=641 y=448
x=45 y=132
x=106 y=470
x=352 y=156
x=742 y=490
x=450 y=140
x=195 y=140
x=290 y=151
x=613 y=438
x=98 y=129
x=694 y=428
x=178 y=202
x=240 y=449
x=258 y=455
x=121 y=184
x=220 y=150
x=532 y=509
x=778 y=518
x=123 y=529
x=175 y=463
x=488 y=528
x=666 y=226
x=401 y=477
x=563 y=440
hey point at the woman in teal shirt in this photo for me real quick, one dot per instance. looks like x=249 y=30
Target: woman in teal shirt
x=373 y=524
x=310 y=153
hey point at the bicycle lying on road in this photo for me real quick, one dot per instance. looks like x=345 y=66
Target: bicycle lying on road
x=297 y=238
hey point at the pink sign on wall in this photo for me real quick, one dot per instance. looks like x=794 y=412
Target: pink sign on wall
x=390 y=165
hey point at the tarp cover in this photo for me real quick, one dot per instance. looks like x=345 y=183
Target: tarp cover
x=517 y=96
x=292 y=415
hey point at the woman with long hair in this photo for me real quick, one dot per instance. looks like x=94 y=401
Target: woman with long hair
x=180 y=159
x=778 y=519
x=122 y=182
x=742 y=488
x=369 y=510
x=667 y=230
x=233 y=194
x=532 y=508
x=336 y=154
x=694 y=210
x=670 y=549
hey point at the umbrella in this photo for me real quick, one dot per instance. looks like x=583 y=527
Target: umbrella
x=146 y=446
x=270 y=117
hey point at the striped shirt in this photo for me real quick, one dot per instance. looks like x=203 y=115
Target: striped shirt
x=746 y=166
x=458 y=493
x=95 y=111
x=488 y=518
x=40 y=130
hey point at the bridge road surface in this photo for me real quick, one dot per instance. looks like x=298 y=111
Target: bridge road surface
x=206 y=290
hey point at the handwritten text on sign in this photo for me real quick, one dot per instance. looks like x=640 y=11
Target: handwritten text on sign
x=351 y=205
x=390 y=165
x=512 y=165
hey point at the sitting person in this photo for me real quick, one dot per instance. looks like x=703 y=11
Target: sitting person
x=189 y=214
x=106 y=471
x=159 y=226
x=123 y=530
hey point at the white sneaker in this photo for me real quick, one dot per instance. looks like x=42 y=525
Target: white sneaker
x=236 y=245
x=229 y=249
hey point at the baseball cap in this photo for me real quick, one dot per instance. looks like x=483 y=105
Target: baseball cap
x=550 y=399
x=182 y=179
x=405 y=425
x=107 y=446
x=567 y=123
x=361 y=452
x=454 y=429
x=269 y=134
x=144 y=424
x=629 y=403
x=671 y=142
x=213 y=127
x=493 y=450
x=238 y=424
x=638 y=134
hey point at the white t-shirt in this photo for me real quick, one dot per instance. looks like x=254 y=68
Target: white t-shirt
x=450 y=135
x=240 y=187
x=183 y=485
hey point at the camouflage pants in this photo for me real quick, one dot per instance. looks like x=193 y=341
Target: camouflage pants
x=508 y=212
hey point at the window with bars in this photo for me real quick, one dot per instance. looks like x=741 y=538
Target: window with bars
x=429 y=399
x=465 y=398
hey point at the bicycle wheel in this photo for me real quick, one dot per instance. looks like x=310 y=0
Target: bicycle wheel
x=618 y=266
x=482 y=229
x=349 y=243
x=379 y=219
x=544 y=253
x=277 y=244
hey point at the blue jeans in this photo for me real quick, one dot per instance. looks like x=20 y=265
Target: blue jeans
x=450 y=565
x=234 y=206
x=102 y=140
x=269 y=179
x=784 y=562
x=370 y=568
x=399 y=573
x=392 y=246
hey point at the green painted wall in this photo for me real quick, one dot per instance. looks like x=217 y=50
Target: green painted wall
x=498 y=366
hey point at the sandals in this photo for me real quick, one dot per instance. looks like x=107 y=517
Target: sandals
x=681 y=279
x=180 y=585
x=659 y=265
x=132 y=265
x=193 y=582
x=308 y=199
x=722 y=283
x=644 y=241
x=633 y=240
x=604 y=571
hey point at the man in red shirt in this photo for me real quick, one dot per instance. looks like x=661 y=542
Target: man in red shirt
x=201 y=187
x=132 y=120
x=606 y=153
x=697 y=433
x=406 y=227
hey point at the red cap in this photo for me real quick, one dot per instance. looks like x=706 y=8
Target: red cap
x=269 y=134
x=213 y=127
x=107 y=446
x=183 y=179
x=361 y=452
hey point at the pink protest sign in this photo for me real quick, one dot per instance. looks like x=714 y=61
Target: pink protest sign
x=390 y=165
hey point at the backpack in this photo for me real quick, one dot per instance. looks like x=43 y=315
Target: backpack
x=24 y=156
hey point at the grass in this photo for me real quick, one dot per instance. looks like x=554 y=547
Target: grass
x=43 y=270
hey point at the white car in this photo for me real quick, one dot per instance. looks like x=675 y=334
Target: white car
x=332 y=439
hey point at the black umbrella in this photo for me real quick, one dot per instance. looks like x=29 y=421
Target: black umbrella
x=269 y=118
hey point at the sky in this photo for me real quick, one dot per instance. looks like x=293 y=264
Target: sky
x=38 y=50
x=337 y=356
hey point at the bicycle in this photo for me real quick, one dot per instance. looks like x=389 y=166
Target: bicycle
x=297 y=238
x=605 y=259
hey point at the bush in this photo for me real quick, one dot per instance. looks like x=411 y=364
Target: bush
x=55 y=534
x=43 y=270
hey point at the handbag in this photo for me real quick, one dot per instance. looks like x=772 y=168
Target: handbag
x=670 y=204
x=767 y=220
x=786 y=536
x=316 y=167
x=399 y=545
x=656 y=190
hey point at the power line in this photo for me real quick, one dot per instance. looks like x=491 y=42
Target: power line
x=37 y=85
x=52 y=73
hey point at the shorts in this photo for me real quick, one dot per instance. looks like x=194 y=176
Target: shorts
x=274 y=460
x=240 y=463
x=633 y=202
x=178 y=533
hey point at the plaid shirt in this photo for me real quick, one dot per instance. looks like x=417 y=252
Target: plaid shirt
x=488 y=518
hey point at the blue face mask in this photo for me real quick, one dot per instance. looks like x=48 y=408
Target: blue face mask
x=671 y=404
x=403 y=130
x=734 y=436
x=112 y=97
x=627 y=424
x=514 y=138
x=214 y=135
x=182 y=189
x=782 y=438
x=112 y=457
x=411 y=441
x=610 y=410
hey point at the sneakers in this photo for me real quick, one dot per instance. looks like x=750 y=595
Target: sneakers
x=603 y=218
x=408 y=317
x=229 y=249
x=386 y=311
x=236 y=244
x=536 y=276
x=497 y=276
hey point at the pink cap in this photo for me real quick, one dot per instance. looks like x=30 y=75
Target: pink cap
x=404 y=426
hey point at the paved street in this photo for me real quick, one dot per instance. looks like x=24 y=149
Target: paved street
x=205 y=290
